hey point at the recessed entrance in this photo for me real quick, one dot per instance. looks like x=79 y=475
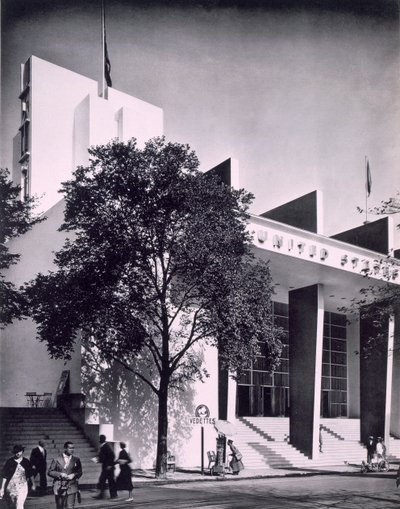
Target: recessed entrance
x=262 y=401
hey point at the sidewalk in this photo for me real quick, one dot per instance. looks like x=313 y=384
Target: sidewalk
x=143 y=478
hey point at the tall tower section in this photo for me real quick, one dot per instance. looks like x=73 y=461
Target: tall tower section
x=61 y=116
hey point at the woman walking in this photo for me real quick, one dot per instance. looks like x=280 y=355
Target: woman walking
x=16 y=472
x=236 y=461
x=124 y=480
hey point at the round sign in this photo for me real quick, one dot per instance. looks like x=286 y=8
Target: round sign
x=202 y=411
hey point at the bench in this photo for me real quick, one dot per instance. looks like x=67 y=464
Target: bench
x=171 y=465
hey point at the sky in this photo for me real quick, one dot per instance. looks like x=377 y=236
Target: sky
x=299 y=92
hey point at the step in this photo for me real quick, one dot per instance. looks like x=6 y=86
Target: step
x=28 y=425
x=265 y=441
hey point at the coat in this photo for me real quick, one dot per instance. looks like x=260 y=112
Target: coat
x=106 y=456
x=10 y=467
x=58 y=466
x=124 y=480
x=38 y=460
x=236 y=463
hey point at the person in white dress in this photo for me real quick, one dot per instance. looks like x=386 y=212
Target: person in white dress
x=16 y=473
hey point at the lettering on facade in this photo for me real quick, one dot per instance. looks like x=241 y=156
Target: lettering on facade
x=300 y=247
x=262 y=235
x=312 y=251
x=323 y=254
x=364 y=266
x=376 y=267
x=277 y=241
x=200 y=420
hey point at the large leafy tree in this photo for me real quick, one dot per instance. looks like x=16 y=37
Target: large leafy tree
x=16 y=217
x=160 y=261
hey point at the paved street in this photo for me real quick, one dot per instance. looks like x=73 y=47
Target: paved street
x=346 y=491
x=290 y=493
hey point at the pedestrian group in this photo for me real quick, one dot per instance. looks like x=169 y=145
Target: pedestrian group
x=19 y=474
x=376 y=449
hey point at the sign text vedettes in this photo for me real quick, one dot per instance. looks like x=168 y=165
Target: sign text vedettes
x=202 y=416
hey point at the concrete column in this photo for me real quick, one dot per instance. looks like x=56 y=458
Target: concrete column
x=353 y=369
x=376 y=368
x=389 y=379
x=395 y=401
x=306 y=321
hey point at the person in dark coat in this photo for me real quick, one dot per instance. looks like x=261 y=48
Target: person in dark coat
x=65 y=470
x=106 y=457
x=16 y=473
x=236 y=463
x=124 y=479
x=38 y=461
x=370 y=448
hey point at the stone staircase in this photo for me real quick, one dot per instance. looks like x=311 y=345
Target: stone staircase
x=264 y=442
x=28 y=425
x=393 y=450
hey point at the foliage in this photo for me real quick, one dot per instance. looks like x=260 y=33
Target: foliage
x=378 y=304
x=386 y=207
x=161 y=261
x=16 y=218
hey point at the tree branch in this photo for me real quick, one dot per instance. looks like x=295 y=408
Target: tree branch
x=136 y=373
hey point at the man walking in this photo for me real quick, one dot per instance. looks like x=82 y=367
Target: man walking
x=66 y=470
x=38 y=461
x=107 y=459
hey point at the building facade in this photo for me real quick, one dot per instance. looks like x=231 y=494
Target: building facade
x=320 y=375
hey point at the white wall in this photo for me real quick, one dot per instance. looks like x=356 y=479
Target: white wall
x=55 y=93
x=24 y=362
x=138 y=119
x=205 y=394
x=67 y=116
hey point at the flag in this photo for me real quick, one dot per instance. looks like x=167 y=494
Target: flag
x=107 y=63
x=369 y=179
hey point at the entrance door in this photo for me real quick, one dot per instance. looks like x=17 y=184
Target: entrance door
x=243 y=400
x=267 y=402
x=325 y=404
x=281 y=401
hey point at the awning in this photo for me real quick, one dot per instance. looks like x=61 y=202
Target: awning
x=225 y=427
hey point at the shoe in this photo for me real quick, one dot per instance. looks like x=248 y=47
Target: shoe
x=114 y=496
x=129 y=499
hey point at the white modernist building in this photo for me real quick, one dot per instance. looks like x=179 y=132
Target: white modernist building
x=321 y=374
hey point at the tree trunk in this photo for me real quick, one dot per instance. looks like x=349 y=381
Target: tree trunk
x=161 y=461
x=115 y=397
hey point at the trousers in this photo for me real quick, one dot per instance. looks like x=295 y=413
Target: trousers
x=66 y=501
x=107 y=475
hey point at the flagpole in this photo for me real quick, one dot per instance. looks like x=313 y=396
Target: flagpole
x=366 y=191
x=102 y=50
